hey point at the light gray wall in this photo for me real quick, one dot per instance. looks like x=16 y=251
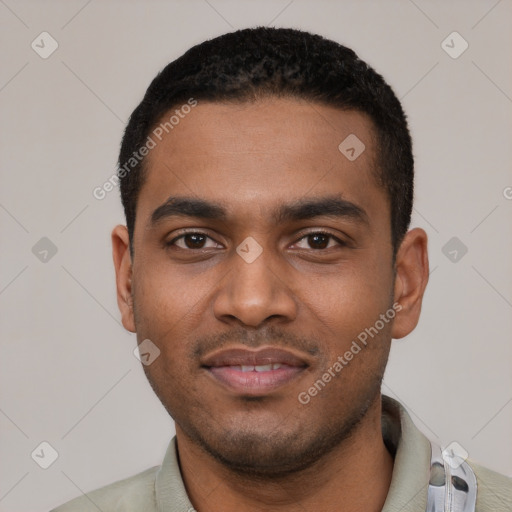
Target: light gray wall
x=68 y=375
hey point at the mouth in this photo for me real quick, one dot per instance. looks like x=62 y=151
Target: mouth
x=254 y=373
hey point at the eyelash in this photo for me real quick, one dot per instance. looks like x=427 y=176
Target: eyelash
x=340 y=243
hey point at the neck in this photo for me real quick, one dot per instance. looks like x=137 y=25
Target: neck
x=356 y=474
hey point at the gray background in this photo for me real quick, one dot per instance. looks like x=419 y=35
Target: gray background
x=68 y=374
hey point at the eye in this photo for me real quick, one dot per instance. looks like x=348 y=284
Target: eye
x=320 y=240
x=193 y=240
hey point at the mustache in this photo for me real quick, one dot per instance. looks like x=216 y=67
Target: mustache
x=268 y=335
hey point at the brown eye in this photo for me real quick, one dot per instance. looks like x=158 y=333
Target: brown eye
x=193 y=241
x=319 y=241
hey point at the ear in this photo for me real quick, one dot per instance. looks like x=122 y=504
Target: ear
x=410 y=281
x=123 y=266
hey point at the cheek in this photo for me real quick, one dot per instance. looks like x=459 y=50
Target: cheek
x=168 y=298
x=166 y=314
x=346 y=303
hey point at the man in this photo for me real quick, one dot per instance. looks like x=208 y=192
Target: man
x=266 y=265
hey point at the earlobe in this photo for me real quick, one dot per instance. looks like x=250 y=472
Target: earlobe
x=410 y=281
x=123 y=267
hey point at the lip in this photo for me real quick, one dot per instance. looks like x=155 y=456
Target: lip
x=234 y=368
x=245 y=357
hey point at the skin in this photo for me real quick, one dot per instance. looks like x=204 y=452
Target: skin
x=310 y=295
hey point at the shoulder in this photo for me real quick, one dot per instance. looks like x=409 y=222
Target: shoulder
x=135 y=493
x=494 y=490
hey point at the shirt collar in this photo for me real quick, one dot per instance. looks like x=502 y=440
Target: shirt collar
x=412 y=452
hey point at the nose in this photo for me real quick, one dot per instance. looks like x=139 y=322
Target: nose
x=253 y=293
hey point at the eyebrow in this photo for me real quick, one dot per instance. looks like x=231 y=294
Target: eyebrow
x=330 y=206
x=302 y=209
x=187 y=207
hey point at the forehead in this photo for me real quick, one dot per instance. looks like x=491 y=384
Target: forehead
x=261 y=154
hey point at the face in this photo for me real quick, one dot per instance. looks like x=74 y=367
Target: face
x=261 y=254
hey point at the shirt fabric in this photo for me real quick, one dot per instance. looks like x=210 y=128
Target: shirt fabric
x=161 y=488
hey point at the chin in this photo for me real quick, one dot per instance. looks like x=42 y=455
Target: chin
x=264 y=455
x=266 y=450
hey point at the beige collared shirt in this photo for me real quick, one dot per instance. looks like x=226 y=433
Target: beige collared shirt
x=161 y=489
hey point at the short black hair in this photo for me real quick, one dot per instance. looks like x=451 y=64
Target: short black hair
x=253 y=63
